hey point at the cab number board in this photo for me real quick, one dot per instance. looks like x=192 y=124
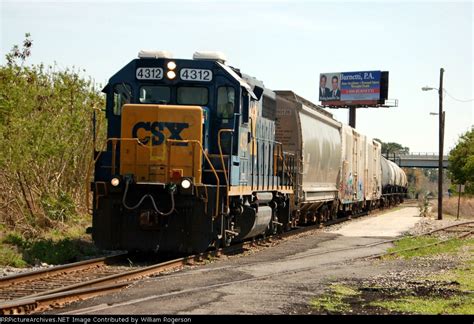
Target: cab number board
x=149 y=73
x=195 y=75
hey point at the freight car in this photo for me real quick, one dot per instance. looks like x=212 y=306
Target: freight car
x=199 y=155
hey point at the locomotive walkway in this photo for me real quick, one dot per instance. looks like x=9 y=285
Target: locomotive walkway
x=262 y=282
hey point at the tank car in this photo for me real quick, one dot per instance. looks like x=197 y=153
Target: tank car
x=394 y=183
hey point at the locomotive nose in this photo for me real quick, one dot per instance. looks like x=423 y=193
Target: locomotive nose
x=161 y=143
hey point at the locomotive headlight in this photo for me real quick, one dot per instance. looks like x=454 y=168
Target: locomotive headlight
x=186 y=183
x=171 y=75
x=115 y=182
x=171 y=65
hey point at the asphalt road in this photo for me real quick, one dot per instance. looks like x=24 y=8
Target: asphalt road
x=270 y=281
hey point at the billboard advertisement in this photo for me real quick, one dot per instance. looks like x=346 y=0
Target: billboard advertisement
x=350 y=86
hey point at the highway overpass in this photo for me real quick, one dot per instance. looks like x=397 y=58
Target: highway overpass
x=427 y=160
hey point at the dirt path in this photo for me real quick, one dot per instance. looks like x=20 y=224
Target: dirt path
x=390 y=224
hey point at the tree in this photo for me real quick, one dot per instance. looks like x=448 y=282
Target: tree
x=46 y=146
x=393 y=148
x=461 y=161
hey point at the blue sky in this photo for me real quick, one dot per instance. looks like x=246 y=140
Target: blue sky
x=286 y=44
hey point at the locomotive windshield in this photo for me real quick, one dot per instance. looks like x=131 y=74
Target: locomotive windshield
x=225 y=102
x=193 y=96
x=155 y=94
x=122 y=96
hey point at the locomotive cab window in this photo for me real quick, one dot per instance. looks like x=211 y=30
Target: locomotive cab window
x=155 y=95
x=122 y=96
x=193 y=96
x=225 y=102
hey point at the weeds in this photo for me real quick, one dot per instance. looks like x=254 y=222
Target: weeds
x=424 y=205
x=412 y=242
x=334 y=300
x=460 y=305
x=54 y=247
x=450 y=207
x=10 y=257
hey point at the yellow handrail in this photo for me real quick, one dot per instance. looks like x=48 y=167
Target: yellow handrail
x=115 y=140
x=210 y=164
x=227 y=130
x=94 y=161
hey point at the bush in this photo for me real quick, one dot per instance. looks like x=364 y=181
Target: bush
x=59 y=207
x=46 y=147
x=450 y=207
x=57 y=252
x=9 y=257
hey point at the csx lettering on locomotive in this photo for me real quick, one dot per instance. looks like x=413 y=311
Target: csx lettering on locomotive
x=156 y=129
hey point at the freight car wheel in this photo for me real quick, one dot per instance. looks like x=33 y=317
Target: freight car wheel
x=324 y=214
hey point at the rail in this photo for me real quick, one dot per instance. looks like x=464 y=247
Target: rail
x=31 y=275
x=465 y=233
x=87 y=289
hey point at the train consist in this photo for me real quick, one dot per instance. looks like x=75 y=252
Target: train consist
x=200 y=155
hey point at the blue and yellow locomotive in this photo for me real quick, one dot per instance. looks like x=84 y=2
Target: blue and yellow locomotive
x=191 y=160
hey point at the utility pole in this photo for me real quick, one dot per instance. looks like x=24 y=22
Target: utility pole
x=441 y=146
x=459 y=201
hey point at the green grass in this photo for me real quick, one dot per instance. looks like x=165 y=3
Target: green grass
x=10 y=257
x=463 y=275
x=53 y=247
x=411 y=242
x=333 y=301
x=57 y=252
x=462 y=305
x=343 y=299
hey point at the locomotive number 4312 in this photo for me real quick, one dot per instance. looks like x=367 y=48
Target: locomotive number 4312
x=195 y=75
x=149 y=73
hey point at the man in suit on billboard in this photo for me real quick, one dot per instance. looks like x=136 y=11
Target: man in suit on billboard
x=335 y=92
x=324 y=92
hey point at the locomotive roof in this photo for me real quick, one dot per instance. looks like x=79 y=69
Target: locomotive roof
x=128 y=71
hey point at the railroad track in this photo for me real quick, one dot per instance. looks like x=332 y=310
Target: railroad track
x=40 y=290
x=103 y=307
x=35 y=282
x=454 y=232
x=43 y=289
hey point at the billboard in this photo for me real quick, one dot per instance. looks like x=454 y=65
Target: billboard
x=345 y=88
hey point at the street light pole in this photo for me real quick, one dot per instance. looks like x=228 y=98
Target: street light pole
x=441 y=146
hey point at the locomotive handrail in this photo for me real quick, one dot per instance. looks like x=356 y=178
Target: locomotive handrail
x=224 y=130
x=94 y=161
x=210 y=164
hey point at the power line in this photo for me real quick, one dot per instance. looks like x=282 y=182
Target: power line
x=460 y=100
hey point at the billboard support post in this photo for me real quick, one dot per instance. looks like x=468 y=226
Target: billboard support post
x=352 y=117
